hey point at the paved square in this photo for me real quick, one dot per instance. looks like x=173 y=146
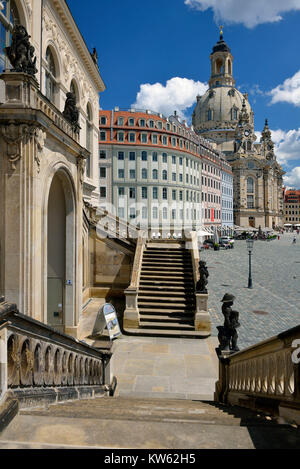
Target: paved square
x=276 y=287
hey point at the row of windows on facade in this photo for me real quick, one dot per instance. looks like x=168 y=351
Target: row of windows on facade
x=132 y=155
x=190 y=214
x=292 y=212
x=227 y=190
x=144 y=173
x=189 y=179
x=227 y=216
x=132 y=122
x=155 y=139
x=190 y=196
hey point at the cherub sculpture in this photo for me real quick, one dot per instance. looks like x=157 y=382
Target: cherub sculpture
x=71 y=112
x=204 y=274
x=227 y=334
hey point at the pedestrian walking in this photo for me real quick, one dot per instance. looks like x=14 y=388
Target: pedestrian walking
x=294 y=239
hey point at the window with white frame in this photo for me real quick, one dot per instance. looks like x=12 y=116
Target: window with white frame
x=50 y=73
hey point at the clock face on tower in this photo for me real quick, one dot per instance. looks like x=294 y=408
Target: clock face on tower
x=247 y=133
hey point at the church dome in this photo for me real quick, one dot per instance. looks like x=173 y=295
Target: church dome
x=219 y=108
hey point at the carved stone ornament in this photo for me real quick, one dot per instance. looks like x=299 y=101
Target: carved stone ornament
x=16 y=354
x=21 y=53
x=39 y=138
x=81 y=164
x=14 y=135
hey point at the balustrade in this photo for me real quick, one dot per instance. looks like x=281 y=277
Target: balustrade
x=34 y=355
x=264 y=372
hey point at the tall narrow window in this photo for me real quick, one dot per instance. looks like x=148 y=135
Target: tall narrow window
x=8 y=18
x=50 y=76
x=250 y=186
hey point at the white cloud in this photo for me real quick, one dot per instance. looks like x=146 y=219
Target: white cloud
x=250 y=13
x=178 y=94
x=288 y=91
x=287 y=145
x=292 y=178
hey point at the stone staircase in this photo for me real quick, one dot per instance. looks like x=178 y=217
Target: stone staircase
x=124 y=423
x=166 y=298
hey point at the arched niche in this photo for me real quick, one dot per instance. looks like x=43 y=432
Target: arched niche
x=60 y=250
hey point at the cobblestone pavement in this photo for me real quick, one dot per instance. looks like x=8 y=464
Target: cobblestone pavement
x=276 y=287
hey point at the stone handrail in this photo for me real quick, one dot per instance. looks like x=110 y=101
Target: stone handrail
x=263 y=376
x=37 y=362
x=131 y=313
x=195 y=255
x=202 y=320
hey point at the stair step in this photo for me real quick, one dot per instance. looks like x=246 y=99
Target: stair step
x=166 y=299
x=165 y=311
x=164 y=318
x=165 y=305
x=167 y=325
x=167 y=333
x=165 y=288
x=161 y=292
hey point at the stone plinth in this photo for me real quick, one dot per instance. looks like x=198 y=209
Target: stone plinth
x=202 y=316
x=20 y=90
x=131 y=313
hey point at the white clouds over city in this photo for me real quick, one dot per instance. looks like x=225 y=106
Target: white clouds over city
x=177 y=94
x=288 y=91
x=250 y=13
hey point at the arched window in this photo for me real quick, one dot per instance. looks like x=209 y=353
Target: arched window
x=74 y=90
x=229 y=67
x=50 y=76
x=9 y=16
x=250 y=185
x=154 y=174
x=89 y=138
x=249 y=145
x=165 y=175
x=209 y=115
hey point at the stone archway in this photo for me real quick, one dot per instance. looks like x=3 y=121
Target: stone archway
x=60 y=252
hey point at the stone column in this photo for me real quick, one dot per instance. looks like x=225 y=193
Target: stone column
x=21 y=141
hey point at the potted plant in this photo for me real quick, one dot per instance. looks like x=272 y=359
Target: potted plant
x=216 y=247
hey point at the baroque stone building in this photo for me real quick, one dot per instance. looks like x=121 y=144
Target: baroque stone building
x=224 y=115
x=49 y=104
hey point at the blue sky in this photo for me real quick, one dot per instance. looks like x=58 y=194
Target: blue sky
x=154 y=54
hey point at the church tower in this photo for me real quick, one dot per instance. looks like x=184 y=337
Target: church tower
x=224 y=116
x=221 y=64
x=217 y=112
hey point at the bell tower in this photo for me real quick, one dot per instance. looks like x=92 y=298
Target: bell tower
x=221 y=64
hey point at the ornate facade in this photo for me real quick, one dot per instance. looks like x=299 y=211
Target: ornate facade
x=224 y=115
x=49 y=104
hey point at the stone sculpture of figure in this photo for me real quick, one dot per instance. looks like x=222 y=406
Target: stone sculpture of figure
x=202 y=283
x=227 y=334
x=95 y=56
x=21 y=53
x=71 y=112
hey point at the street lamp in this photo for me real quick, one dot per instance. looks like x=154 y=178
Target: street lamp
x=250 y=243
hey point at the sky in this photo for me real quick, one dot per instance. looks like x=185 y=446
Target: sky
x=154 y=54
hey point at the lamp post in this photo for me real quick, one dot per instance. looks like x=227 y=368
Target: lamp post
x=250 y=244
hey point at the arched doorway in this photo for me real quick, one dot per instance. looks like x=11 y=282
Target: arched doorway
x=60 y=252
